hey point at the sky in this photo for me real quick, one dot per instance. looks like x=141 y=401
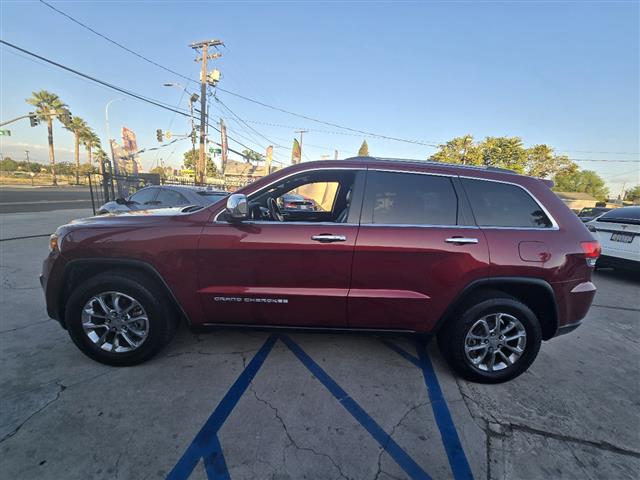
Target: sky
x=566 y=74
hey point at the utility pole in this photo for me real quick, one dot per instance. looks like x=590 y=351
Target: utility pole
x=204 y=80
x=301 y=132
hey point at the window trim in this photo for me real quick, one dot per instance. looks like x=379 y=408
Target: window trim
x=554 y=224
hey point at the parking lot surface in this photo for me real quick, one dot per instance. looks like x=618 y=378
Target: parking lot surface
x=252 y=404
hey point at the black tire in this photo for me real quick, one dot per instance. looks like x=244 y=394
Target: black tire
x=451 y=339
x=162 y=321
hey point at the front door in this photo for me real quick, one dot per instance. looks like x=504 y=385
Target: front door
x=417 y=246
x=292 y=272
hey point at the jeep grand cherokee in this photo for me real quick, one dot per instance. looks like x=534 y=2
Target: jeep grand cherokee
x=490 y=261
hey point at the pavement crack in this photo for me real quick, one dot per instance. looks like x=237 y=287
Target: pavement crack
x=25 y=326
x=122 y=452
x=201 y=352
x=291 y=440
x=390 y=437
x=61 y=388
x=602 y=445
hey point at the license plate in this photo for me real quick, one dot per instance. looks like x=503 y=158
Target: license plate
x=622 y=237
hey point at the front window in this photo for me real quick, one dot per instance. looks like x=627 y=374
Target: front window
x=318 y=196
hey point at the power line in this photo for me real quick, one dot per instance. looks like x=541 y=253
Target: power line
x=156 y=103
x=110 y=40
x=306 y=117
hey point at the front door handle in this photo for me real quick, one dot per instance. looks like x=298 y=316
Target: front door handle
x=461 y=240
x=328 y=238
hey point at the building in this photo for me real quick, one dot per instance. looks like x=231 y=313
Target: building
x=238 y=174
x=576 y=201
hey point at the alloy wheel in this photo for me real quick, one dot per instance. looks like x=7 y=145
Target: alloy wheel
x=495 y=342
x=115 y=322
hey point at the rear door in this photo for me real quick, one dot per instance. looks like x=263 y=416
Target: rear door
x=416 y=249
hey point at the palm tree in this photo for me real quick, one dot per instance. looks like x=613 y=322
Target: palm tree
x=79 y=128
x=101 y=156
x=90 y=140
x=47 y=105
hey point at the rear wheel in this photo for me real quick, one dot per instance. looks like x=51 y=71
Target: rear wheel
x=494 y=338
x=119 y=318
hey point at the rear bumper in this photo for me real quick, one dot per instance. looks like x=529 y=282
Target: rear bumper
x=573 y=300
x=618 y=262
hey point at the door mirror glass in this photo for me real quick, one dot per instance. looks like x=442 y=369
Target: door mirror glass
x=237 y=207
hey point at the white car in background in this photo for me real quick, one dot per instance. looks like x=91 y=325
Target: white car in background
x=618 y=232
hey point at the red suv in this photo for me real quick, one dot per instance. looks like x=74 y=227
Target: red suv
x=491 y=261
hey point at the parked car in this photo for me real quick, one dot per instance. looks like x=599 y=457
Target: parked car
x=163 y=196
x=491 y=261
x=293 y=201
x=589 y=213
x=618 y=231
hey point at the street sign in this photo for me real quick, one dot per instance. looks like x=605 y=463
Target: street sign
x=167 y=135
x=215 y=150
x=5 y=133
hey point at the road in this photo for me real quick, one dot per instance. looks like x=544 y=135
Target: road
x=17 y=199
x=246 y=404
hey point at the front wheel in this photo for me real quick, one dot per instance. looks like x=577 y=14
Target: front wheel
x=493 y=339
x=119 y=318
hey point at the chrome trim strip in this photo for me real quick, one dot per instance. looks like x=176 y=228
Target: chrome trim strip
x=554 y=224
x=461 y=240
x=410 y=225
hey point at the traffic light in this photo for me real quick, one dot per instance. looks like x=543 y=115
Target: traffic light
x=33 y=119
x=159 y=135
x=65 y=117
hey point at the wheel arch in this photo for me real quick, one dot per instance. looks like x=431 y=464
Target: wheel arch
x=536 y=293
x=79 y=270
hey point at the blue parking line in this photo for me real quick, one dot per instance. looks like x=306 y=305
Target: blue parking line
x=401 y=457
x=452 y=445
x=214 y=463
x=205 y=444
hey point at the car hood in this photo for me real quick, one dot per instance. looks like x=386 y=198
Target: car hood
x=132 y=217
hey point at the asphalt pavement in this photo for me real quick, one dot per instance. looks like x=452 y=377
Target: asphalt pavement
x=15 y=199
x=244 y=404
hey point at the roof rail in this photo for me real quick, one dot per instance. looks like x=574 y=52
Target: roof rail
x=434 y=163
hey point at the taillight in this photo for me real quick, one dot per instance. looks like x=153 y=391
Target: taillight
x=591 y=251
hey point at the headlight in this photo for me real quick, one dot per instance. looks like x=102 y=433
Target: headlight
x=53 y=243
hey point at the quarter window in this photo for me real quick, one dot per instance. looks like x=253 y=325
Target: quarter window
x=503 y=205
x=411 y=199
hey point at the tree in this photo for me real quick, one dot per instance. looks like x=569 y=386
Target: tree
x=504 y=152
x=191 y=158
x=542 y=162
x=8 y=165
x=459 y=150
x=78 y=127
x=633 y=194
x=90 y=140
x=585 y=181
x=160 y=171
x=46 y=104
x=364 y=149
x=252 y=156
x=101 y=157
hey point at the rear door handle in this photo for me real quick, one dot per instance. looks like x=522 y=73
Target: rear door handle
x=328 y=238
x=461 y=240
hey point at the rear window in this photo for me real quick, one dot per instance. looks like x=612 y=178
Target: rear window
x=629 y=215
x=497 y=204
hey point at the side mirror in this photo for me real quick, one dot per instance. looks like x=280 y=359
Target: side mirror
x=121 y=201
x=237 y=207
